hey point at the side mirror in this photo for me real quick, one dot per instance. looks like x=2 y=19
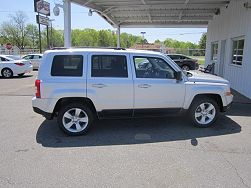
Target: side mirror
x=178 y=75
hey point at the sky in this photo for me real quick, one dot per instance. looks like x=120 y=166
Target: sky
x=81 y=20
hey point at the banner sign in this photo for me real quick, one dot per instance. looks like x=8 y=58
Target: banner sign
x=42 y=7
x=42 y=20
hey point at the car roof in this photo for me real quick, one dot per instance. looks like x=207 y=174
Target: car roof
x=107 y=50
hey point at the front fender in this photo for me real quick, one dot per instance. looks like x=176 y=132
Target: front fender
x=196 y=89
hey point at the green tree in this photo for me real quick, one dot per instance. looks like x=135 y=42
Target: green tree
x=15 y=30
x=203 y=41
x=32 y=36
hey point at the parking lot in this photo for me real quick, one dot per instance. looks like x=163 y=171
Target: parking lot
x=166 y=152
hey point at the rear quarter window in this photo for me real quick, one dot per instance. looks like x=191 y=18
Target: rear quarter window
x=67 y=65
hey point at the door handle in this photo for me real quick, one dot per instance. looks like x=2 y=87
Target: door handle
x=144 y=86
x=98 y=85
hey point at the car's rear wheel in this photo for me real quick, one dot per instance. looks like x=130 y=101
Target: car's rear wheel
x=75 y=119
x=7 y=73
x=204 y=112
x=185 y=67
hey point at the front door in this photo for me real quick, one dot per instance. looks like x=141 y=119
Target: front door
x=157 y=92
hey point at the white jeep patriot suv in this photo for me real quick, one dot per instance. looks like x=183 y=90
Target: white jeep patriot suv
x=78 y=85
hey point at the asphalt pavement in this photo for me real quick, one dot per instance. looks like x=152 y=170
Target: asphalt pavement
x=159 y=152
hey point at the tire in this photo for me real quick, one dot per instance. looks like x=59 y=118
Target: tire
x=7 y=73
x=20 y=75
x=204 y=117
x=70 y=116
x=185 y=67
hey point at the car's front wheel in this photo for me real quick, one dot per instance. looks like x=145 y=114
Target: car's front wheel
x=204 y=112
x=7 y=73
x=75 y=119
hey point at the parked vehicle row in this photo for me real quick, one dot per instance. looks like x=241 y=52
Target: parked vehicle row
x=79 y=85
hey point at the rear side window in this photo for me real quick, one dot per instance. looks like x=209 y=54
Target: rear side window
x=67 y=65
x=109 y=66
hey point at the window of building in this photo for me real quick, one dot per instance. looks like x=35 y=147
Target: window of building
x=151 y=67
x=237 y=53
x=67 y=65
x=214 y=51
x=109 y=66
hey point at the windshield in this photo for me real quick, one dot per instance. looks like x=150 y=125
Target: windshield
x=13 y=57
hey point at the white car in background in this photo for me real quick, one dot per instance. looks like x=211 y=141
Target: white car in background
x=35 y=60
x=11 y=65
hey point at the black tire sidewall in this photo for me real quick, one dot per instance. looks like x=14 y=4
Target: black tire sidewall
x=9 y=70
x=194 y=106
x=68 y=107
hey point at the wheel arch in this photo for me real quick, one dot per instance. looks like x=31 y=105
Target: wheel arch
x=67 y=100
x=215 y=97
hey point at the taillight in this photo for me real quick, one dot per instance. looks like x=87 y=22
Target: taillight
x=37 y=85
x=19 y=63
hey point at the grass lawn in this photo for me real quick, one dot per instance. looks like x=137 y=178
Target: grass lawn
x=201 y=59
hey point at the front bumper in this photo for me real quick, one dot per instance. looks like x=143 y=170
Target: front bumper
x=225 y=108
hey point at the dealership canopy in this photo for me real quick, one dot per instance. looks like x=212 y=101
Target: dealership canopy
x=155 y=13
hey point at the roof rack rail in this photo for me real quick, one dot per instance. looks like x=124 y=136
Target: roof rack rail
x=64 y=48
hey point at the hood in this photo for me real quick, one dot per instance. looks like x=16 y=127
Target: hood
x=198 y=76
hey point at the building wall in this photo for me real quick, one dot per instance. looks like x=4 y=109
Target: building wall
x=233 y=21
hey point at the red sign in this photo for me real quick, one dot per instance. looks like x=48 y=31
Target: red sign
x=8 y=46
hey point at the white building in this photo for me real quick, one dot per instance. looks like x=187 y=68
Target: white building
x=228 y=22
x=229 y=45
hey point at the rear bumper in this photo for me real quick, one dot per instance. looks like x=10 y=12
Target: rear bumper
x=43 y=113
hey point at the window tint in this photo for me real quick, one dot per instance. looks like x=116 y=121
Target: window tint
x=175 y=57
x=109 y=66
x=171 y=56
x=27 y=57
x=151 y=67
x=3 y=59
x=36 y=57
x=67 y=65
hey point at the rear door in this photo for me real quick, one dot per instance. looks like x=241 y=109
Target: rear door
x=110 y=84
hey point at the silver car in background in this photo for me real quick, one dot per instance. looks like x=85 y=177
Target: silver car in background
x=35 y=60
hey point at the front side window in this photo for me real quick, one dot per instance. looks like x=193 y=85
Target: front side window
x=152 y=67
x=67 y=65
x=109 y=66
x=237 y=54
x=27 y=57
x=214 y=51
